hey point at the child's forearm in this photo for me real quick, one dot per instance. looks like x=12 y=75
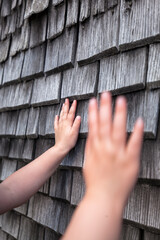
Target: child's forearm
x=22 y=184
x=96 y=218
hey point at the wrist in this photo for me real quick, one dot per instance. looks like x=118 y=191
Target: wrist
x=106 y=200
x=62 y=151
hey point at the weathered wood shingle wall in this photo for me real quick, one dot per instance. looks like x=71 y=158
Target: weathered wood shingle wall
x=50 y=50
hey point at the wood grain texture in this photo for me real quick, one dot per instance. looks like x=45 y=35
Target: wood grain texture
x=60 y=51
x=77 y=187
x=57 y=2
x=30 y=230
x=32 y=126
x=85 y=10
x=38 y=30
x=50 y=235
x=3 y=235
x=33 y=62
x=8 y=167
x=151 y=236
x=76 y=155
x=150 y=164
x=80 y=82
x=138 y=26
x=124 y=72
x=46 y=121
x=5 y=8
x=48 y=90
x=42 y=209
x=60 y=184
x=98 y=37
x=28 y=149
x=82 y=110
x=10 y=223
x=141 y=104
x=56 y=20
x=22 y=123
x=35 y=6
x=20 y=38
x=16 y=148
x=153 y=75
x=43 y=145
x=4 y=48
x=1 y=73
x=13 y=68
x=98 y=6
x=129 y=232
x=4 y=147
x=72 y=12
x=137 y=206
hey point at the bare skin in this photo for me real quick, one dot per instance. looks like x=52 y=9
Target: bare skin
x=22 y=184
x=110 y=171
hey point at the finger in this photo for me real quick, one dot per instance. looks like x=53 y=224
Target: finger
x=66 y=108
x=135 y=141
x=56 y=122
x=72 y=111
x=119 y=122
x=105 y=114
x=62 y=111
x=93 y=119
x=76 y=124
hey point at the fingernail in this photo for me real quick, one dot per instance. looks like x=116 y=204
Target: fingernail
x=92 y=101
x=78 y=117
x=120 y=100
x=140 y=121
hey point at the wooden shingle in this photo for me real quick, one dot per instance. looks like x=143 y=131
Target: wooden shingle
x=4 y=48
x=13 y=68
x=56 y=20
x=43 y=145
x=16 y=148
x=5 y=8
x=124 y=72
x=38 y=30
x=61 y=51
x=76 y=155
x=10 y=223
x=72 y=12
x=8 y=167
x=35 y=6
x=60 y=185
x=48 y=90
x=151 y=236
x=22 y=123
x=4 y=147
x=138 y=26
x=19 y=42
x=129 y=232
x=50 y=235
x=153 y=75
x=30 y=230
x=77 y=187
x=33 y=62
x=98 y=37
x=80 y=82
x=28 y=149
x=85 y=10
x=32 y=126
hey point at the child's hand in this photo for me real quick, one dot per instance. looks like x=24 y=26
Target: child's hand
x=67 y=127
x=111 y=166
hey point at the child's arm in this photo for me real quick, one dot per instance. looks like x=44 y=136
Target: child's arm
x=22 y=184
x=110 y=171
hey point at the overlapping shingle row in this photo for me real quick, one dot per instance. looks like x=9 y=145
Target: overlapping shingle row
x=55 y=49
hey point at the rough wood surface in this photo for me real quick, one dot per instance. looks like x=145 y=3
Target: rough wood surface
x=85 y=10
x=72 y=12
x=35 y=6
x=138 y=25
x=30 y=230
x=48 y=90
x=33 y=62
x=4 y=48
x=124 y=72
x=80 y=82
x=153 y=75
x=32 y=126
x=60 y=51
x=10 y=223
x=128 y=232
x=151 y=236
x=56 y=20
x=8 y=167
x=98 y=37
